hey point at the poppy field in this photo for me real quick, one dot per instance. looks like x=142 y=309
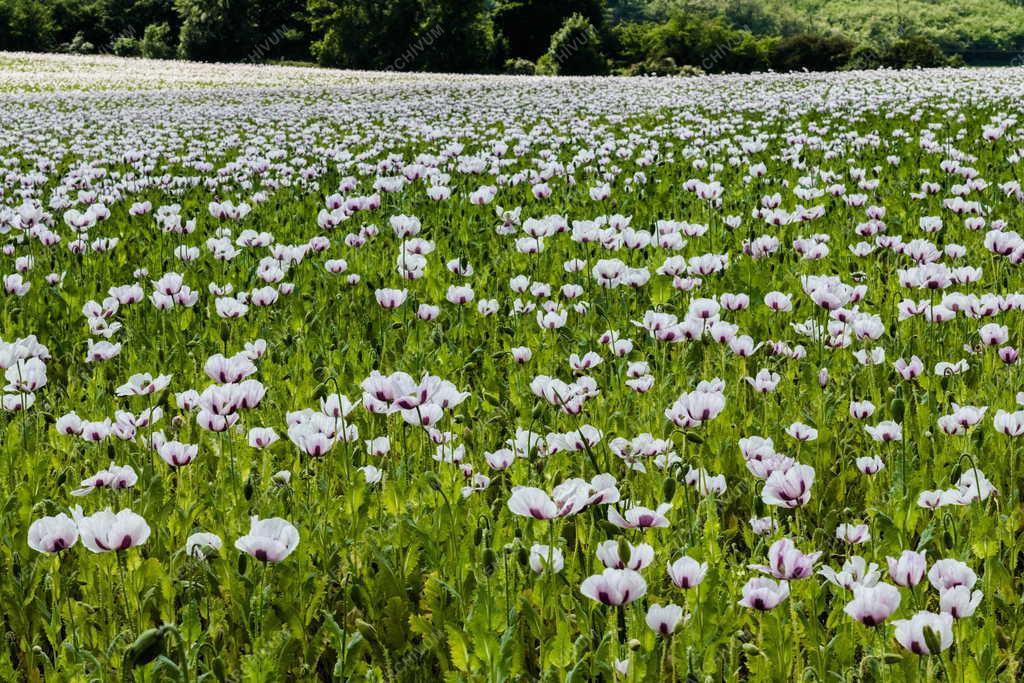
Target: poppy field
x=325 y=375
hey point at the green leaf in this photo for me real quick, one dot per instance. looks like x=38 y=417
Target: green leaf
x=458 y=648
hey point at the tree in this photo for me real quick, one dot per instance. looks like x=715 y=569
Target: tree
x=365 y=34
x=215 y=30
x=913 y=51
x=629 y=10
x=242 y=30
x=157 y=42
x=527 y=25
x=111 y=20
x=520 y=67
x=762 y=19
x=575 y=49
x=811 y=52
x=79 y=45
x=463 y=39
x=706 y=42
x=126 y=46
x=25 y=25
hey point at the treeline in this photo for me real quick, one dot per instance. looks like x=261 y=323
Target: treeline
x=569 y=37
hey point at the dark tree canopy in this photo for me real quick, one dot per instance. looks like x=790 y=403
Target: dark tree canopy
x=527 y=25
x=625 y=36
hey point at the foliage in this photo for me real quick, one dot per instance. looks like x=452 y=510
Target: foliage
x=528 y=25
x=913 y=51
x=575 y=49
x=708 y=44
x=25 y=25
x=157 y=42
x=78 y=45
x=215 y=31
x=365 y=34
x=464 y=40
x=482 y=35
x=126 y=46
x=811 y=52
x=520 y=67
x=964 y=25
x=906 y=53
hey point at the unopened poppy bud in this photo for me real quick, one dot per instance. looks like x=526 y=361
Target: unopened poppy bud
x=668 y=489
x=147 y=647
x=366 y=630
x=897 y=407
x=219 y=670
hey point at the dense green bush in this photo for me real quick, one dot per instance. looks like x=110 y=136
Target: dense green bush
x=710 y=44
x=912 y=52
x=520 y=67
x=631 y=42
x=157 y=42
x=811 y=52
x=528 y=25
x=79 y=45
x=25 y=25
x=126 y=46
x=575 y=49
x=906 y=53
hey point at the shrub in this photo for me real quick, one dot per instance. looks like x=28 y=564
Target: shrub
x=126 y=46
x=26 y=25
x=575 y=49
x=546 y=66
x=79 y=45
x=709 y=44
x=865 y=56
x=811 y=52
x=913 y=51
x=662 y=67
x=653 y=67
x=157 y=42
x=520 y=67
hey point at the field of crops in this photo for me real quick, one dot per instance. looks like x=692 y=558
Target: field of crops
x=318 y=375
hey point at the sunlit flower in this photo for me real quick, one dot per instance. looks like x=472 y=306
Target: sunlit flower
x=105 y=531
x=764 y=594
x=269 y=540
x=52 y=534
x=614 y=587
